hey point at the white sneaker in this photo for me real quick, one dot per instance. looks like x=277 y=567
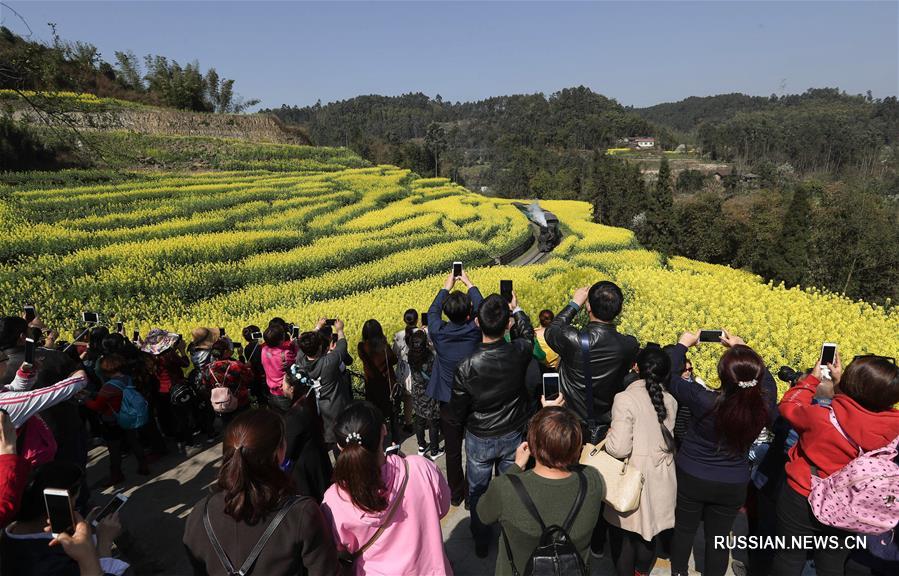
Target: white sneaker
x=421 y=451
x=434 y=457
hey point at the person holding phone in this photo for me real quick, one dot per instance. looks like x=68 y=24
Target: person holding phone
x=403 y=374
x=325 y=364
x=227 y=382
x=25 y=549
x=712 y=466
x=490 y=397
x=381 y=386
x=453 y=341
x=427 y=411
x=278 y=354
x=554 y=442
x=52 y=366
x=169 y=353
x=642 y=430
x=866 y=392
x=252 y=353
x=107 y=404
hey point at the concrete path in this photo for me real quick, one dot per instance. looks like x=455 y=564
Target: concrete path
x=159 y=504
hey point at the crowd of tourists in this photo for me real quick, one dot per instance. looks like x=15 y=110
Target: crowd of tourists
x=578 y=443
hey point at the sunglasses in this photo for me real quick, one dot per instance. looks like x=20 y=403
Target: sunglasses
x=889 y=359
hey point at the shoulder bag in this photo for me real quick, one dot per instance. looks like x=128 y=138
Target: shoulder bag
x=623 y=483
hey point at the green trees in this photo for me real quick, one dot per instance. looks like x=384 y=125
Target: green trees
x=435 y=140
x=793 y=247
x=657 y=232
x=79 y=67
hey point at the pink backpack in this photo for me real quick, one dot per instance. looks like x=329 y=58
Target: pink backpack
x=862 y=497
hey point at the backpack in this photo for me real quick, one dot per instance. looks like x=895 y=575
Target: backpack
x=250 y=560
x=134 y=411
x=224 y=400
x=183 y=394
x=861 y=497
x=555 y=554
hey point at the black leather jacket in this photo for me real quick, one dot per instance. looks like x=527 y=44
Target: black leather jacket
x=611 y=356
x=489 y=393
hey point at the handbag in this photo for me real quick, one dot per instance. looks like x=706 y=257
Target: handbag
x=348 y=559
x=623 y=483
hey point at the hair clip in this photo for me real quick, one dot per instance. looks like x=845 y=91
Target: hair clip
x=353 y=438
x=748 y=384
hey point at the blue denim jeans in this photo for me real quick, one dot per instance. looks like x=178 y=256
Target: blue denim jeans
x=482 y=457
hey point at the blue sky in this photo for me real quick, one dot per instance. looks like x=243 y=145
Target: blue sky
x=640 y=53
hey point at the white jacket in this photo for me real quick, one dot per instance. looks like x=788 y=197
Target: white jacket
x=22 y=405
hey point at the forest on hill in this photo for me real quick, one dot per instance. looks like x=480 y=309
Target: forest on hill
x=822 y=156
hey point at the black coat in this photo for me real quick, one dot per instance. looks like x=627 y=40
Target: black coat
x=611 y=356
x=311 y=467
x=490 y=396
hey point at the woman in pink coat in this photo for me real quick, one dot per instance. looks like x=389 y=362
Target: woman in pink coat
x=406 y=495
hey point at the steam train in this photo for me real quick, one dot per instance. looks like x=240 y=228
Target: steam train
x=550 y=234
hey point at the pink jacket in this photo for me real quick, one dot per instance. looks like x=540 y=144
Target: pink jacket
x=413 y=542
x=274 y=360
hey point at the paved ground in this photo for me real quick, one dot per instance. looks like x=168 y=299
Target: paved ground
x=158 y=506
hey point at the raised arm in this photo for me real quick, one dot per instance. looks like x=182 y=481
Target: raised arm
x=23 y=405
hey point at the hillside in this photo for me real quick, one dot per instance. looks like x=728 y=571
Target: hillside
x=230 y=248
x=500 y=143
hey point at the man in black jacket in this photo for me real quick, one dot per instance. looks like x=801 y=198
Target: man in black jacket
x=611 y=357
x=490 y=397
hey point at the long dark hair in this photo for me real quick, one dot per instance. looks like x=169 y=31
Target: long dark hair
x=251 y=477
x=655 y=369
x=740 y=411
x=358 y=467
x=419 y=349
x=373 y=335
x=872 y=381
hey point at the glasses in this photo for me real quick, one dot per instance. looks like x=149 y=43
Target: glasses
x=889 y=359
x=690 y=369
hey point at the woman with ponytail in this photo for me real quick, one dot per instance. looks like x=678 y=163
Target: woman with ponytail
x=642 y=430
x=713 y=463
x=251 y=493
x=385 y=511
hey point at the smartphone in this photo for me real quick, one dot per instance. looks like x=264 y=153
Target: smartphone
x=296 y=332
x=457 y=269
x=334 y=338
x=505 y=289
x=59 y=510
x=424 y=318
x=256 y=335
x=828 y=353
x=221 y=332
x=115 y=503
x=136 y=336
x=330 y=321
x=711 y=335
x=29 y=351
x=120 y=327
x=30 y=314
x=90 y=317
x=551 y=385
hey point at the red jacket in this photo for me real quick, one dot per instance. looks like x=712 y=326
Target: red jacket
x=13 y=476
x=820 y=443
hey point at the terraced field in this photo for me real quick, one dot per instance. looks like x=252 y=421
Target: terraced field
x=329 y=238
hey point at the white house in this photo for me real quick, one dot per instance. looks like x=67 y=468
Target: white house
x=643 y=143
